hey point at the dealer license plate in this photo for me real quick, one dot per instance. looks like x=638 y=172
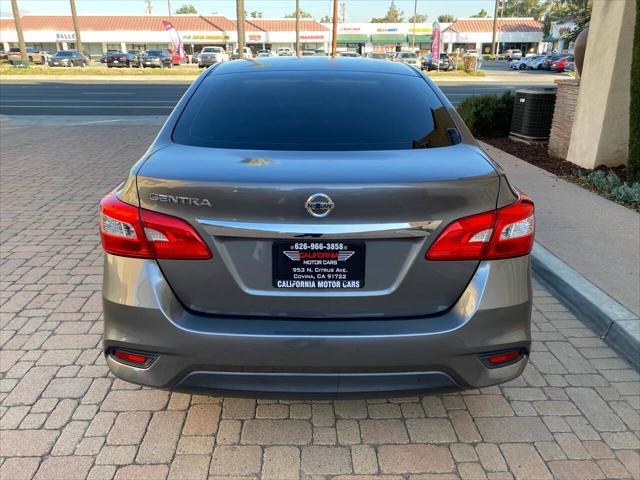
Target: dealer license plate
x=318 y=265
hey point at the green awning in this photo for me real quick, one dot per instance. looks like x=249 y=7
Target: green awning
x=420 y=38
x=549 y=38
x=352 y=38
x=388 y=38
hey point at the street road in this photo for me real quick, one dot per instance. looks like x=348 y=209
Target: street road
x=128 y=99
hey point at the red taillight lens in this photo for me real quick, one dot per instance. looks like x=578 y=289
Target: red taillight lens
x=130 y=357
x=130 y=231
x=503 y=358
x=503 y=233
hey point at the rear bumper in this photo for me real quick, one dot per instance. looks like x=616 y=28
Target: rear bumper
x=315 y=356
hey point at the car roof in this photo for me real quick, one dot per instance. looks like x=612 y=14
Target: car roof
x=312 y=63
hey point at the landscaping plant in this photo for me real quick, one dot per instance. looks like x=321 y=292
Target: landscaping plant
x=488 y=115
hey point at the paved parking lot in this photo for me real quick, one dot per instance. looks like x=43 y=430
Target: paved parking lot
x=573 y=414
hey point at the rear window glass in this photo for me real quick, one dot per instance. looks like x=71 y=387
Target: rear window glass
x=315 y=111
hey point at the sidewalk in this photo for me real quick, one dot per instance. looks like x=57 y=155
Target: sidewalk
x=596 y=237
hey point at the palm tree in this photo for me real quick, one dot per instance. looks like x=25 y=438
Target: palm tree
x=18 y=21
x=76 y=25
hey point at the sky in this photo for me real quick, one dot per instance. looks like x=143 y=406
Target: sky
x=356 y=10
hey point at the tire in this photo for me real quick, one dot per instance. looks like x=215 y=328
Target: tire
x=42 y=61
x=31 y=59
x=128 y=64
x=522 y=67
x=109 y=66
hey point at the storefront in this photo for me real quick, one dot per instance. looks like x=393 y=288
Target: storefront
x=112 y=32
x=477 y=33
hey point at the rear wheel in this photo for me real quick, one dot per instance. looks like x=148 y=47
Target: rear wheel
x=43 y=61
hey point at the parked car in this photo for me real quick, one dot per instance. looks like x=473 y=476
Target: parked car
x=524 y=63
x=561 y=64
x=349 y=54
x=68 y=58
x=264 y=53
x=309 y=280
x=103 y=57
x=34 y=55
x=127 y=60
x=513 y=54
x=537 y=63
x=284 y=52
x=549 y=61
x=320 y=53
x=377 y=55
x=471 y=53
x=3 y=54
x=307 y=53
x=444 y=64
x=246 y=52
x=175 y=57
x=210 y=56
x=410 y=58
x=156 y=59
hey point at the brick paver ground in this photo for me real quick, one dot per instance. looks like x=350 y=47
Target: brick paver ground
x=572 y=415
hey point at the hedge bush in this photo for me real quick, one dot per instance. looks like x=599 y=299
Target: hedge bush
x=488 y=115
x=634 y=112
x=610 y=185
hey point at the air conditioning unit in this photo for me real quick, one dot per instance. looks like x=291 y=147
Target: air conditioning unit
x=533 y=114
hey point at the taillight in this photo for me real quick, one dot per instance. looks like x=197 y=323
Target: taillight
x=503 y=233
x=130 y=231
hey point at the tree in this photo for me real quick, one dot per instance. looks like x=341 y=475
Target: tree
x=186 y=9
x=419 y=18
x=481 y=14
x=303 y=14
x=325 y=19
x=394 y=15
x=524 y=8
x=255 y=14
x=577 y=11
x=446 y=18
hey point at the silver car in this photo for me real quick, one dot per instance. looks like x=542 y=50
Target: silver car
x=319 y=227
x=408 y=58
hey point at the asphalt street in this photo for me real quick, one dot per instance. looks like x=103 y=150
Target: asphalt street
x=134 y=99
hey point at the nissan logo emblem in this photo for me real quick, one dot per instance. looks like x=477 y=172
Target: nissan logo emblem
x=319 y=205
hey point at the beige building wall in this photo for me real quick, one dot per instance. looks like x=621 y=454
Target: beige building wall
x=600 y=134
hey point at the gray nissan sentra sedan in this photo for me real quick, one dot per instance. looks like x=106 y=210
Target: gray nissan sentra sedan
x=316 y=226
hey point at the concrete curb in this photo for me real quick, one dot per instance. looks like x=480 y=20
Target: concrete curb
x=610 y=320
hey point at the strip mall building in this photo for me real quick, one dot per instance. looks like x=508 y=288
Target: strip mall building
x=142 y=32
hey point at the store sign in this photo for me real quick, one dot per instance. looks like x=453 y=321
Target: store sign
x=420 y=30
x=349 y=29
x=384 y=48
x=205 y=37
x=255 y=37
x=391 y=29
x=311 y=37
x=64 y=36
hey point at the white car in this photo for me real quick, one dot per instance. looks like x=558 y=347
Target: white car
x=264 y=53
x=513 y=54
x=211 y=55
x=537 y=63
x=524 y=63
x=247 y=53
x=410 y=58
x=284 y=52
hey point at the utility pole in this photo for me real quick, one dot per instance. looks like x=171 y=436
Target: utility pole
x=148 y=8
x=334 y=30
x=495 y=24
x=297 y=28
x=415 y=13
x=76 y=25
x=18 y=21
x=169 y=6
x=240 y=27
x=343 y=12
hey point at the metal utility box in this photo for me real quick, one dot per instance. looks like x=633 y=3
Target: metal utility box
x=533 y=114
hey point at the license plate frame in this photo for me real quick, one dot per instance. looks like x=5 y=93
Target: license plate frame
x=318 y=265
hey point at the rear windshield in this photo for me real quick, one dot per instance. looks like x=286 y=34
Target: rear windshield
x=155 y=53
x=315 y=111
x=64 y=54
